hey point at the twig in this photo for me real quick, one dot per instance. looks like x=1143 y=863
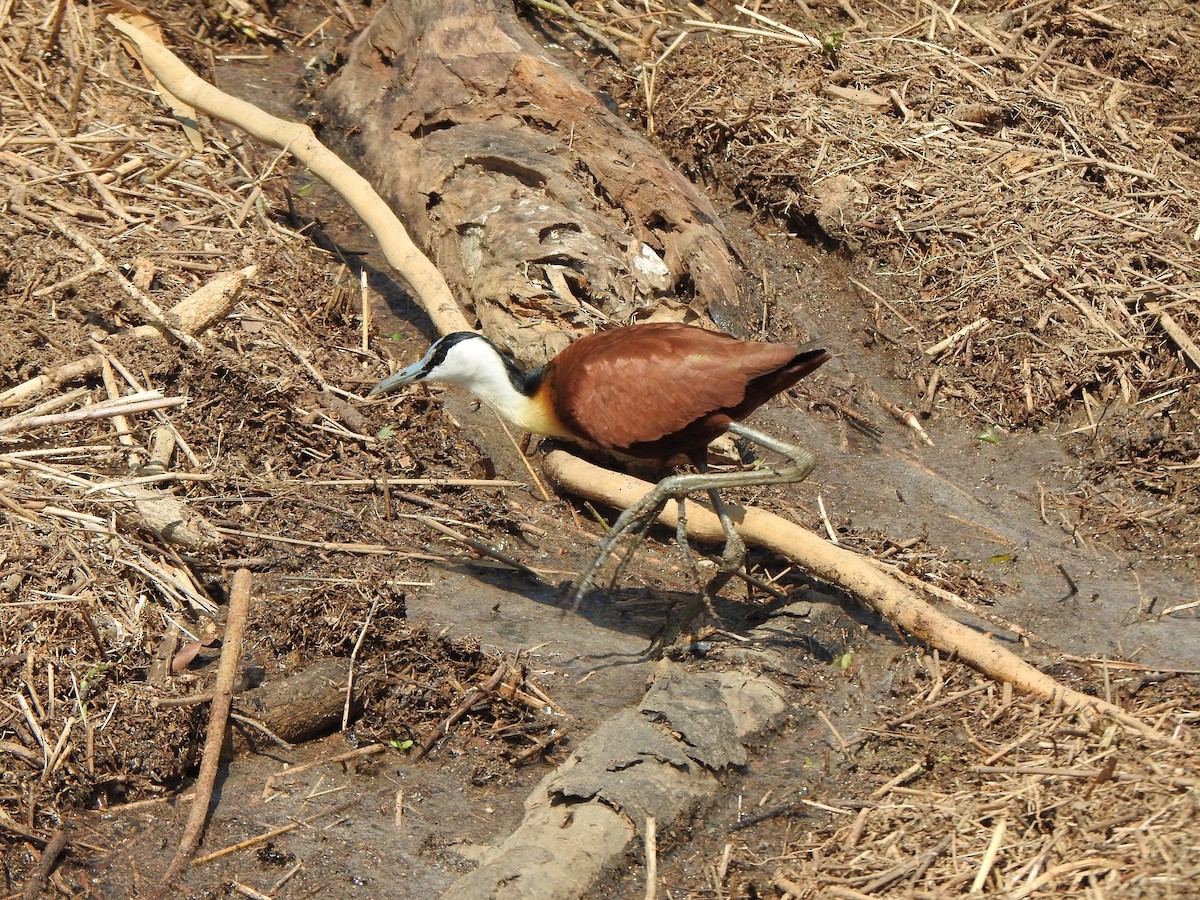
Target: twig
x=525 y=459
x=246 y=891
x=405 y=482
x=481 y=547
x=829 y=529
x=174 y=702
x=462 y=709
x=123 y=407
x=37 y=879
x=1176 y=333
x=259 y=726
x=100 y=187
x=944 y=345
x=837 y=735
x=589 y=27
x=651 y=845
x=219 y=709
x=802 y=40
x=989 y=857
x=249 y=842
x=353 y=655
x=365 y=291
x=369 y=750
x=341 y=547
x=911 y=772
x=903 y=415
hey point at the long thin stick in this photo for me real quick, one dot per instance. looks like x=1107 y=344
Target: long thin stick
x=463 y=708
x=50 y=854
x=354 y=655
x=481 y=547
x=651 y=844
x=98 y=411
x=222 y=701
x=426 y=281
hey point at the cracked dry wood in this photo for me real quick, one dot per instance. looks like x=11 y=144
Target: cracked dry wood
x=520 y=183
x=664 y=760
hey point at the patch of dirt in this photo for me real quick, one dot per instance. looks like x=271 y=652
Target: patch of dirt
x=907 y=180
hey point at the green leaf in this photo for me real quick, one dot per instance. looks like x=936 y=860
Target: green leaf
x=386 y=432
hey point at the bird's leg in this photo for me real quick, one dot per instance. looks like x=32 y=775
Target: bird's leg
x=636 y=519
x=800 y=462
x=638 y=533
x=732 y=557
x=734 y=553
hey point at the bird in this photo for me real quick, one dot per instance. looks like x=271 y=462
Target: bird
x=650 y=391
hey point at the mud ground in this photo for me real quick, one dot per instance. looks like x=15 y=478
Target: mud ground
x=969 y=513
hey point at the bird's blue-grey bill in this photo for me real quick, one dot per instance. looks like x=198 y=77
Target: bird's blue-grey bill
x=398 y=380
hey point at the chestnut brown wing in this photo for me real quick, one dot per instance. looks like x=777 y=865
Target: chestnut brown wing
x=640 y=384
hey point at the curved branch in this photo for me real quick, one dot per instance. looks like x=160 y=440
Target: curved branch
x=412 y=265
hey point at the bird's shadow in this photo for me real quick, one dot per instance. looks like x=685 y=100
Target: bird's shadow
x=647 y=613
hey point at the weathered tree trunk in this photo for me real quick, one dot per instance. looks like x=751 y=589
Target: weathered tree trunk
x=534 y=199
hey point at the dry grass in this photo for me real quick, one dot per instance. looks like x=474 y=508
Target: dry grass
x=961 y=789
x=1009 y=799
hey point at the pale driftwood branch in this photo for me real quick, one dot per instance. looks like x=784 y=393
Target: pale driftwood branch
x=894 y=600
x=111 y=409
x=194 y=314
x=426 y=281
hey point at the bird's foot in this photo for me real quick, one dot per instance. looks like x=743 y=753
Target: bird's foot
x=686 y=629
x=636 y=520
x=689 y=627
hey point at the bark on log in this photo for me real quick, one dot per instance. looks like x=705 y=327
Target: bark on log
x=301 y=706
x=520 y=183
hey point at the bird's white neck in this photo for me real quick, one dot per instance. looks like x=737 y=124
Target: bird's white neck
x=477 y=366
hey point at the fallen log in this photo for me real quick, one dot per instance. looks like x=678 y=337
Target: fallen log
x=301 y=706
x=537 y=202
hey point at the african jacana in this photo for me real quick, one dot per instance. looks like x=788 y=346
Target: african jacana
x=652 y=391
